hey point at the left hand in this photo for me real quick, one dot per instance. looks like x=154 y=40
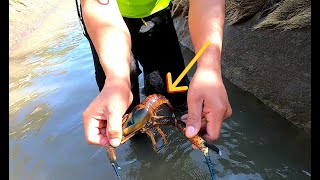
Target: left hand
x=208 y=105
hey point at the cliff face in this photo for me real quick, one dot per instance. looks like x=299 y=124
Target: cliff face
x=270 y=58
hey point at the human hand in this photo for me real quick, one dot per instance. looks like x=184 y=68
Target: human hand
x=104 y=2
x=103 y=118
x=208 y=105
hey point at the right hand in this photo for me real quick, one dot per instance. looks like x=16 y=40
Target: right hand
x=103 y=118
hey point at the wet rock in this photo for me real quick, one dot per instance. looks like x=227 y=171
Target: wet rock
x=153 y=84
x=273 y=65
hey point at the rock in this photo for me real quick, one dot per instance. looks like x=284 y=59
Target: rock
x=275 y=66
x=181 y=25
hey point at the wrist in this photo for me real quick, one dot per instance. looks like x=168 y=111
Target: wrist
x=121 y=81
x=210 y=61
x=208 y=76
x=118 y=73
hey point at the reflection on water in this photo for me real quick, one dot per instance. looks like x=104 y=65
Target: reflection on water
x=52 y=86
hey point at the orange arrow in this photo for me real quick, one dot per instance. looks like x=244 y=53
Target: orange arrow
x=172 y=88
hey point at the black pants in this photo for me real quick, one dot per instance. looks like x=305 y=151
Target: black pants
x=158 y=52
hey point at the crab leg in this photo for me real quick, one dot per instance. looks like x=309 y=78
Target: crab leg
x=112 y=158
x=161 y=117
x=161 y=134
x=154 y=143
x=160 y=109
x=172 y=123
x=126 y=138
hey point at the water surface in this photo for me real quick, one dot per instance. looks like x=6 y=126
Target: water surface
x=51 y=86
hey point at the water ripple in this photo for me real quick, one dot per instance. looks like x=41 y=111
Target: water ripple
x=50 y=88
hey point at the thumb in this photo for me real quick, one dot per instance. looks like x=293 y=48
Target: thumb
x=104 y=2
x=194 y=117
x=114 y=129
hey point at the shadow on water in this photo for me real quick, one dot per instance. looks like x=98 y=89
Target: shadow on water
x=51 y=87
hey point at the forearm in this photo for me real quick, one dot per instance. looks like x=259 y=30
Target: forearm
x=206 y=22
x=110 y=36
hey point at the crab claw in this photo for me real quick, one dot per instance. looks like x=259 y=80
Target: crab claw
x=111 y=153
x=213 y=147
x=202 y=144
x=209 y=163
x=116 y=168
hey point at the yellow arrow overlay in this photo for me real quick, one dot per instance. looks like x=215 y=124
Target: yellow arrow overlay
x=172 y=88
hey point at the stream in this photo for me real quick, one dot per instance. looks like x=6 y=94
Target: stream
x=50 y=87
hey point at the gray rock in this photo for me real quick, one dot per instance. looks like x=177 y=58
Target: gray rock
x=275 y=66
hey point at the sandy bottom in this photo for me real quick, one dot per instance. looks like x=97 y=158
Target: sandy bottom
x=31 y=24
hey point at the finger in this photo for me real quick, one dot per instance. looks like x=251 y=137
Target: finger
x=114 y=129
x=103 y=131
x=93 y=123
x=103 y=1
x=194 y=116
x=214 y=123
x=228 y=112
x=97 y=131
x=202 y=130
x=184 y=118
x=97 y=139
x=91 y=129
x=203 y=123
x=194 y=146
x=103 y=140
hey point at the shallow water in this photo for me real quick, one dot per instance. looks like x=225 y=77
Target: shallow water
x=50 y=88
